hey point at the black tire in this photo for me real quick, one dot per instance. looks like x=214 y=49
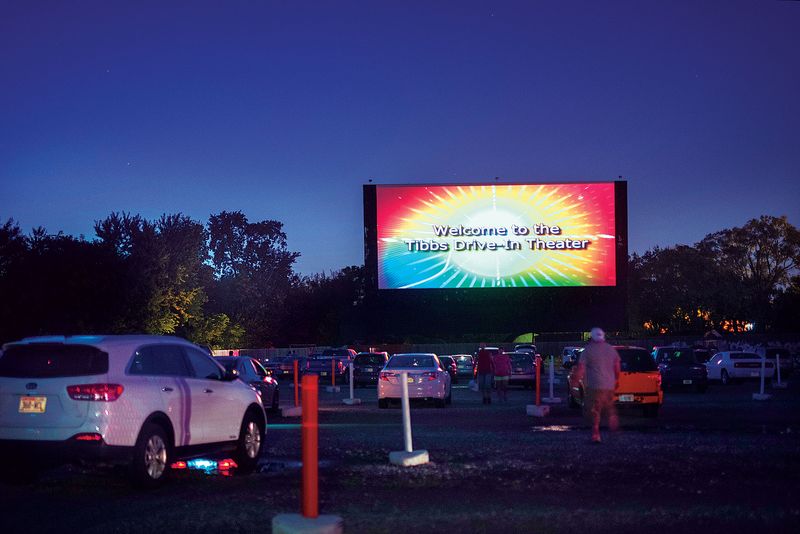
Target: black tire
x=449 y=399
x=650 y=411
x=249 y=444
x=724 y=378
x=149 y=467
x=383 y=403
x=276 y=401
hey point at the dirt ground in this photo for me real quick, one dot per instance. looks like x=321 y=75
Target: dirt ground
x=713 y=462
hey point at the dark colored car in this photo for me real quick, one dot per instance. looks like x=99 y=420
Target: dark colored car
x=523 y=369
x=680 y=368
x=283 y=366
x=253 y=373
x=324 y=367
x=449 y=364
x=367 y=366
x=465 y=363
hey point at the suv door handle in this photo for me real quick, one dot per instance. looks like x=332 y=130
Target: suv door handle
x=208 y=390
x=167 y=388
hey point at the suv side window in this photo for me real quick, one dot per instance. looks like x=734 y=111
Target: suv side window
x=159 y=360
x=202 y=364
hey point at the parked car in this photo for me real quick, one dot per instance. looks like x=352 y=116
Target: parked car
x=343 y=355
x=138 y=401
x=465 y=364
x=568 y=354
x=526 y=347
x=427 y=379
x=282 y=367
x=639 y=382
x=253 y=373
x=679 y=368
x=367 y=366
x=324 y=366
x=449 y=365
x=523 y=369
x=729 y=367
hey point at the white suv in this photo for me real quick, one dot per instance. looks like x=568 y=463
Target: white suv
x=142 y=401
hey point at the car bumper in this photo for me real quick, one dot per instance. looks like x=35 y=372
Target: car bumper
x=431 y=390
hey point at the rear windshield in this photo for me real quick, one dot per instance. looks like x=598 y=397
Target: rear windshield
x=370 y=359
x=522 y=359
x=446 y=360
x=636 y=361
x=744 y=356
x=52 y=360
x=464 y=359
x=409 y=360
x=229 y=364
x=678 y=357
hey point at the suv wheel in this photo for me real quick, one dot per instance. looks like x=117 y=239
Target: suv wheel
x=724 y=378
x=150 y=465
x=248 y=447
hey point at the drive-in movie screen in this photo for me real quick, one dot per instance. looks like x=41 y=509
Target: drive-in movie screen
x=496 y=235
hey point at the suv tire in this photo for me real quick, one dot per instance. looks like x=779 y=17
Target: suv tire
x=149 y=467
x=249 y=444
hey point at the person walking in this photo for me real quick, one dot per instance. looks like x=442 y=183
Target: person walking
x=502 y=374
x=599 y=367
x=485 y=370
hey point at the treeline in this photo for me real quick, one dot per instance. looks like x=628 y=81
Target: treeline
x=735 y=280
x=228 y=283
x=231 y=283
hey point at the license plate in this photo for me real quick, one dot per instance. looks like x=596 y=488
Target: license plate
x=753 y=373
x=687 y=381
x=367 y=369
x=323 y=373
x=410 y=380
x=626 y=398
x=32 y=404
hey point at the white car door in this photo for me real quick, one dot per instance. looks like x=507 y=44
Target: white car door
x=167 y=371
x=221 y=403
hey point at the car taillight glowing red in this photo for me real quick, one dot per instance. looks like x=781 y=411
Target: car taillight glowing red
x=430 y=376
x=88 y=437
x=95 y=392
x=385 y=376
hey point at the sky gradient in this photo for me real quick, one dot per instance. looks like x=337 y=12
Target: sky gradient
x=284 y=109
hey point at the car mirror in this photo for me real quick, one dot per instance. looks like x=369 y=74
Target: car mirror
x=230 y=375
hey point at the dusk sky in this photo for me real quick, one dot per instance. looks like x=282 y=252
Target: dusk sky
x=283 y=110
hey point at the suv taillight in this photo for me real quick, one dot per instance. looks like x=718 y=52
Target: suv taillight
x=95 y=392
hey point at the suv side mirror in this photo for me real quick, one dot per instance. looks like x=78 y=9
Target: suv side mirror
x=230 y=375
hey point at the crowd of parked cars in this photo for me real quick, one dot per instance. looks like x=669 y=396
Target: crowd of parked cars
x=145 y=402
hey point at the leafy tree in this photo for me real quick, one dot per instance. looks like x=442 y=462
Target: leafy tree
x=762 y=255
x=253 y=267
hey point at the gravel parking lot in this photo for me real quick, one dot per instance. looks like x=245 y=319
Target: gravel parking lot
x=710 y=462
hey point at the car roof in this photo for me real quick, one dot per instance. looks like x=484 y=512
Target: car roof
x=103 y=341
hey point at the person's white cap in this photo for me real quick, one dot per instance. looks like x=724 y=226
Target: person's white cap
x=597 y=334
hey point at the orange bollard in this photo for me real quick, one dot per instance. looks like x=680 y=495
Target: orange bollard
x=333 y=372
x=538 y=376
x=296 y=388
x=310 y=503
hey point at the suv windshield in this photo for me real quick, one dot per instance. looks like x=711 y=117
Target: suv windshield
x=52 y=360
x=411 y=360
x=636 y=361
x=370 y=359
x=677 y=357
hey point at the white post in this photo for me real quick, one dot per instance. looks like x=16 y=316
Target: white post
x=409 y=456
x=552 y=377
x=351 y=401
x=406 y=412
x=762 y=396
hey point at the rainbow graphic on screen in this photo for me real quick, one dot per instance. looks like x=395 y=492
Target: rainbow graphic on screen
x=496 y=235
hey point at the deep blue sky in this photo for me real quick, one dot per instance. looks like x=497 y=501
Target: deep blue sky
x=283 y=110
